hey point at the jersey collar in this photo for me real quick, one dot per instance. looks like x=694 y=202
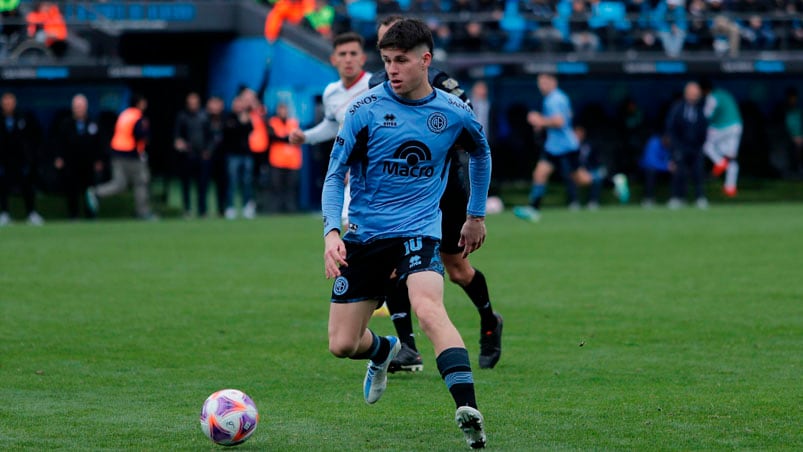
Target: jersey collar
x=422 y=101
x=356 y=80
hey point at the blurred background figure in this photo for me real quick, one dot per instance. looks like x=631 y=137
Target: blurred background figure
x=19 y=142
x=793 y=120
x=285 y=161
x=79 y=154
x=129 y=160
x=216 y=116
x=724 y=134
x=237 y=129
x=655 y=162
x=686 y=128
x=47 y=25
x=192 y=141
x=590 y=161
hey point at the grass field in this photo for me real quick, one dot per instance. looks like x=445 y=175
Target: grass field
x=624 y=330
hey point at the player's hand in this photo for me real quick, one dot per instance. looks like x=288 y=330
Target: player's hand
x=334 y=255
x=297 y=137
x=472 y=235
x=535 y=119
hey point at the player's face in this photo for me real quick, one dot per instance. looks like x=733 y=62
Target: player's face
x=79 y=106
x=349 y=59
x=546 y=84
x=407 y=71
x=9 y=104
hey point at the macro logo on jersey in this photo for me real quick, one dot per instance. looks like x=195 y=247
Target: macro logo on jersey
x=412 y=159
x=436 y=122
x=364 y=101
x=390 y=120
x=340 y=141
x=341 y=285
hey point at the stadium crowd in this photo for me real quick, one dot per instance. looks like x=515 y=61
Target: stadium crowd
x=724 y=27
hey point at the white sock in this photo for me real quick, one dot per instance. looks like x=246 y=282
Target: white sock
x=732 y=173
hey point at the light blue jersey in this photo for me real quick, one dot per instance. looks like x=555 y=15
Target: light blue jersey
x=562 y=140
x=397 y=151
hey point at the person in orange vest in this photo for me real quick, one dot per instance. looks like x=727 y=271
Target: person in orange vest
x=129 y=161
x=46 y=23
x=285 y=160
x=292 y=11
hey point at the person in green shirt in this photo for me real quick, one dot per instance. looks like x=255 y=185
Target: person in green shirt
x=724 y=134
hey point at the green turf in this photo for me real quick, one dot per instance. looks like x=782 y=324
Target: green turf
x=624 y=330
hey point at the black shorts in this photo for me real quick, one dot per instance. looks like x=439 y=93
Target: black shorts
x=565 y=163
x=453 y=205
x=370 y=266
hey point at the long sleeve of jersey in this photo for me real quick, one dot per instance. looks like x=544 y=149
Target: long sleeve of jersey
x=323 y=131
x=475 y=143
x=334 y=186
x=479 y=173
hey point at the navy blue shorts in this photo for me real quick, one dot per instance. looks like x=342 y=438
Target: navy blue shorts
x=371 y=265
x=453 y=206
x=568 y=162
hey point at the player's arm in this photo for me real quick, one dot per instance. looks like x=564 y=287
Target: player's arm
x=474 y=142
x=710 y=105
x=334 y=186
x=323 y=131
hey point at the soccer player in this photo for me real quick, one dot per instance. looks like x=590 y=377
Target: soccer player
x=396 y=141
x=724 y=134
x=561 y=149
x=348 y=57
x=457 y=265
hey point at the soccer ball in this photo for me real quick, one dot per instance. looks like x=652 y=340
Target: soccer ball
x=494 y=205
x=229 y=417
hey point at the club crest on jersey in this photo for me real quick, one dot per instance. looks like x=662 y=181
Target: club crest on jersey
x=412 y=159
x=436 y=122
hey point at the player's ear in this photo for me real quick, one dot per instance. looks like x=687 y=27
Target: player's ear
x=426 y=59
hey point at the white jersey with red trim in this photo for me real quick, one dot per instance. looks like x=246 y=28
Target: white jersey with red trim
x=336 y=99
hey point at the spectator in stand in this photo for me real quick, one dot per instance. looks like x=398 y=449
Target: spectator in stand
x=758 y=34
x=79 y=154
x=582 y=36
x=285 y=161
x=469 y=37
x=19 y=143
x=129 y=160
x=725 y=32
x=46 y=24
x=793 y=119
x=687 y=127
x=669 y=19
x=216 y=115
x=387 y=7
x=191 y=139
x=321 y=18
x=292 y=11
x=12 y=26
x=698 y=36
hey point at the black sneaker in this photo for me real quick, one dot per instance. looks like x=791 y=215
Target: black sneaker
x=407 y=360
x=491 y=345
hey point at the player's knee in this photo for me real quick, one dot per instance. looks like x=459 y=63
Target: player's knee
x=460 y=274
x=430 y=315
x=341 y=348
